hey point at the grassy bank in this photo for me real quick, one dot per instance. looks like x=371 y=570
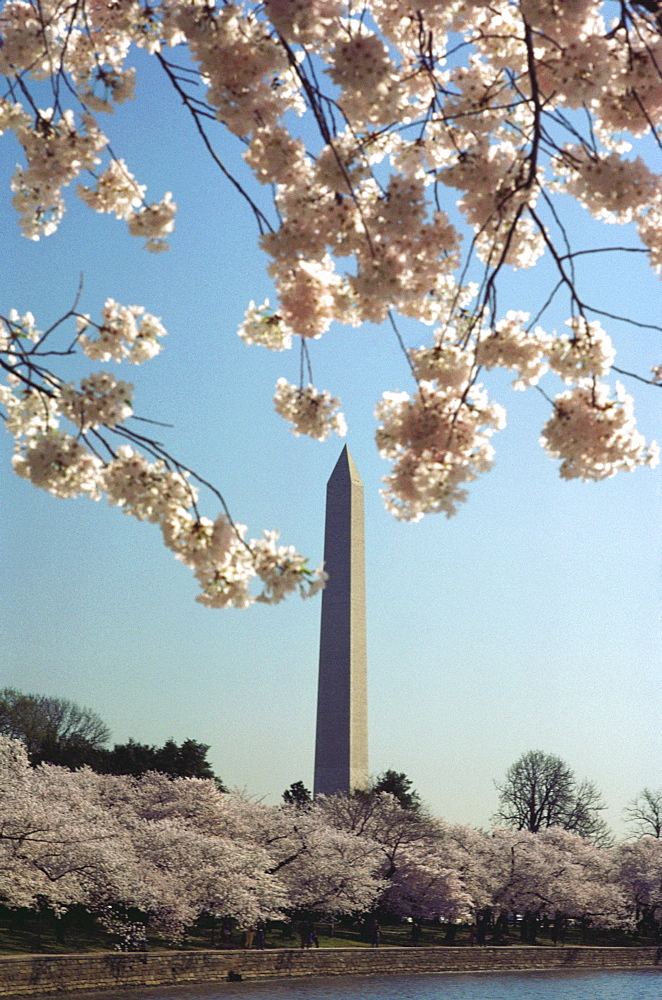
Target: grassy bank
x=30 y=932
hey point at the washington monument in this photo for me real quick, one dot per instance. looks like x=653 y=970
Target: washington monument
x=341 y=745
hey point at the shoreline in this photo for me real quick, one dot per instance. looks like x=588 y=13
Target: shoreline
x=44 y=975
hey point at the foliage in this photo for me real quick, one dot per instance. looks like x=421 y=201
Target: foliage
x=53 y=729
x=189 y=760
x=297 y=795
x=438 y=147
x=58 y=731
x=397 y=783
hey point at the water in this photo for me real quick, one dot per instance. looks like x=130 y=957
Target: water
x=587 y=985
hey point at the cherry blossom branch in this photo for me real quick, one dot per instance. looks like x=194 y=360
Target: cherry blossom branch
x=263 y=223
x=510 y=111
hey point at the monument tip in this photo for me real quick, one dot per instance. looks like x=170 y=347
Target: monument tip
x=345 y=466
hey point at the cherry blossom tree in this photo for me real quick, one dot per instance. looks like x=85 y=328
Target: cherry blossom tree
x=328 y=871
x=310 y=864
x=640 y=877
x=556 y=872
x=325 y=868
x=420 y=875
x=59 y=844
x=380 y=817
x=417 y=153
x=487 y=878
x=177 y=849
x=111 y=843
x=429 y=884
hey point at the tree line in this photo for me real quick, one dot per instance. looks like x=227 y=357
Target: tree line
x=160 y=853
x=539 y=790
x=58 y=731
x=143 y=846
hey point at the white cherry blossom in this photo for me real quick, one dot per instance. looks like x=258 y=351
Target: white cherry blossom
x=588 y=352
x=439 y=441
x=126 y=332
x=262 y=326
x=418 y=156
x=58 y=463
x=309 y=411
x=595 y=434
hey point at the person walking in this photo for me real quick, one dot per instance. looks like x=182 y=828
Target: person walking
x=260 y=939
x=375 y=934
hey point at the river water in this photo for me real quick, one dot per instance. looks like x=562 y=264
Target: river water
x=635 y=985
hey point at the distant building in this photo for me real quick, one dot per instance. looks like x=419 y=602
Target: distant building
x=341 y=745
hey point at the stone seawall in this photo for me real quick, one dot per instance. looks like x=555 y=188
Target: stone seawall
x=41 y=975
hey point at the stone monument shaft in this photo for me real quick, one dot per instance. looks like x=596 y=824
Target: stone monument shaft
x=341 y=745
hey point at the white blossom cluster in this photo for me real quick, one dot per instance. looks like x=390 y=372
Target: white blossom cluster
x=414 y=109
x=438 y=441
x=225 y=565
x=157 y=491
x=609 y=186
x=28 y=414
x=510 y=345
x=116 y=191
x=309 y=411
x=445 y=363
x=239 y=60
x=439 y=438
x=56 y=152
x=147 y=490
x=154 y=222
x=588 y=352
x=594 y=434
x=125 y=333
x=91 y=48
x=101 y=400
x=60 y=464
x=262 y=326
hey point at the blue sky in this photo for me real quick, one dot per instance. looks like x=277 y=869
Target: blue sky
x=529 y=621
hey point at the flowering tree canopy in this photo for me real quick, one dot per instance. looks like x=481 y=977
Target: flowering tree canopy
x=416 y=152
x=176 y=849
